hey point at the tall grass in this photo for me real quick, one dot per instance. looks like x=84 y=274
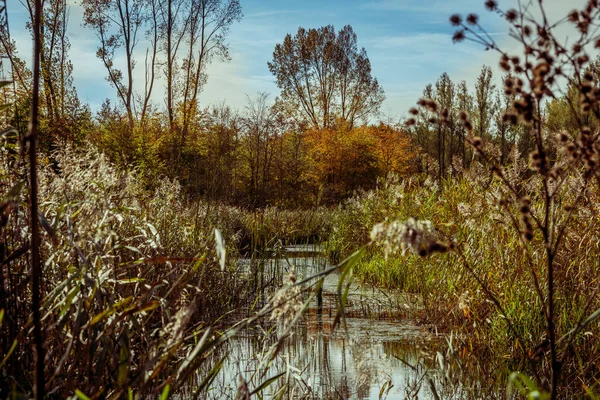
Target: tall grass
x=490 y=258
x=132 y=283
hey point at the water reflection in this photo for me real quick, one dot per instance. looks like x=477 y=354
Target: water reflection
x=373 y=356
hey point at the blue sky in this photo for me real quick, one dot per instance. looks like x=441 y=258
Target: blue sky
x=408 y=42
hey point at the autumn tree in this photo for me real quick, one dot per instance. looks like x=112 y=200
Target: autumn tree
x=344 y=159
x=324 y=75
x=393 y=149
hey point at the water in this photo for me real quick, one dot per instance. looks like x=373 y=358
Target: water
x=377 y=353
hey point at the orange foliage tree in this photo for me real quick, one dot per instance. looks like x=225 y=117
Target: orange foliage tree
x=343 y=159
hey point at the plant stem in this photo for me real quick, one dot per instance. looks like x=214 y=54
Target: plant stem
x=36 y=272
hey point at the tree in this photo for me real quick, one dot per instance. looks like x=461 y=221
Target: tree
x=260 y=131
x=208 y=25
x=445 y=93
x=484 y=100
x=465 y=103
x=393 y=149
x=117 y=24
x=325 y=76
x=62 y=116
x=172 y=29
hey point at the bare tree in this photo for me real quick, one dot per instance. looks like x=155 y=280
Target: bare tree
x=259 y=129
x=208 y=24
x=117 y=24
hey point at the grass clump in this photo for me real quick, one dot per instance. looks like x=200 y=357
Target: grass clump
x=487 y=289
x=131 y=286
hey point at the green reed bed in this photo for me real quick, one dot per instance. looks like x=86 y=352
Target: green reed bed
x=486 y=287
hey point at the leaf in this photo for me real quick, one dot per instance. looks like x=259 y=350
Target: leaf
x=44 y=223
x=123 y=363
x=10 y=351
x=4 y=83
x=197 y=350
x=382 y=390
x=81 y=395
x=266 y=383
x=221 y=250
x=165 y=393
x=109 y=311
x=134 y=249
x=526 y=386
x=211 y=375
x=130 y=280
x=344 y=282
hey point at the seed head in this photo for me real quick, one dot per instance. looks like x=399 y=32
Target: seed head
x=504 y=63
x=512 y=15
x=574 y=16
x=535 y=161
x=472 y=19
x=491 y=5
x=445 y=113
x=510 y=118
x=563 y=137
x=458 y=36
x=456 y=20
x=583 y=59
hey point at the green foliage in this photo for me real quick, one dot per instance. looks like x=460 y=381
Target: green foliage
x=464 y=211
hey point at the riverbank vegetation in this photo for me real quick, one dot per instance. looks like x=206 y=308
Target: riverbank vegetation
x=118 y=252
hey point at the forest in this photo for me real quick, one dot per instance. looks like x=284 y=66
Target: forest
x=181 y=249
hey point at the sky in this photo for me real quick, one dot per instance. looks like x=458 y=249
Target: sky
x=409 y=44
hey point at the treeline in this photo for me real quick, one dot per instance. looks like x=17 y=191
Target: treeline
x=444 y=149
x=441 y=146
x=315 y=143
x=257 y=157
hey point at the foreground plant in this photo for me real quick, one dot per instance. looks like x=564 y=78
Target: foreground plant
x=545 y=206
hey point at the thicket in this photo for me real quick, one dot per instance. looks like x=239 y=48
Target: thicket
x=520 y=281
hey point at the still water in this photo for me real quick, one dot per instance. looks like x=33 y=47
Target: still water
x=377 y=354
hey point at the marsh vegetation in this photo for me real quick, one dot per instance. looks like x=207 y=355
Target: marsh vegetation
x=301 y=247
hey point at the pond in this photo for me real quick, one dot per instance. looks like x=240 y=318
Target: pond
x=378 y=353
